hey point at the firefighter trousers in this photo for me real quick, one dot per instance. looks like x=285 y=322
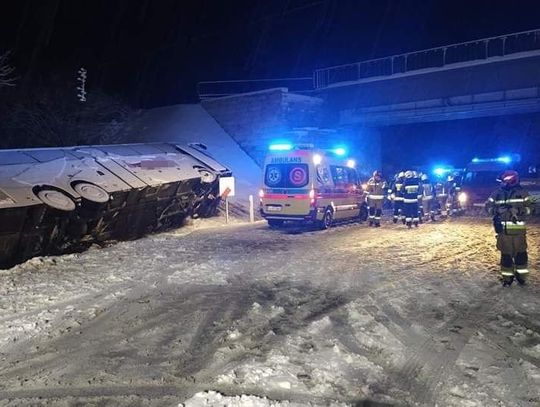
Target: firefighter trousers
x=427 y=204
x=375 y=210
x=442 y=200
x=514 y=256
x=398 y=208
x=410 y=210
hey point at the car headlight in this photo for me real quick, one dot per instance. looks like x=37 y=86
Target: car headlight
x=462 y=197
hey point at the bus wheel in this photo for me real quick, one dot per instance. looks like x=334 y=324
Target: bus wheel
x=275 y=223
x=327 y=219
x=91 y=192
x=56 y=199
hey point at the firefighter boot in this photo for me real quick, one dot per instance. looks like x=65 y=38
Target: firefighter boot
x=395 y=219
x=521 y=279
x=416 y=223
x=507 y=281
x=409 y=224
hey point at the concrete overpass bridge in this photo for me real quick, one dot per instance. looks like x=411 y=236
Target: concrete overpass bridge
x=498 y=76
x=489 y=77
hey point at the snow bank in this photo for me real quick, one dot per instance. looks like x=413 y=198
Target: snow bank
x=212 y=398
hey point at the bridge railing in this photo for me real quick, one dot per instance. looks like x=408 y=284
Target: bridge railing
x=430 y=58
x=215 y=89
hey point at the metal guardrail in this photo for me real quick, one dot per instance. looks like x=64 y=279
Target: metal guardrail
x=429 y=58
x=215 y=89
x=439 y=57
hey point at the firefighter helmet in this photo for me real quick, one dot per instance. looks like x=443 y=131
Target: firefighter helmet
x=409 y=174
x=510 y=178
x=424 y=177
x=377 y=174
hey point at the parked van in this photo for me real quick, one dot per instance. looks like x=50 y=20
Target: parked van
x=304 y=184
x=481 y=178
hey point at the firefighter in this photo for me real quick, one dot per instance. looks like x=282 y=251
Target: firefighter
x=453 y=191
x=411 y=190
x=420 y=200
x=396 y=196
x=428 y=197
x=509 y=205
x=441 y=194
x=376 y=190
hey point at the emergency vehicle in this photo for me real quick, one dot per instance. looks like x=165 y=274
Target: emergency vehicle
x=308 y=185
x=481 y=178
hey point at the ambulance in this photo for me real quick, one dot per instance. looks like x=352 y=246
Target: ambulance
x=309 y=185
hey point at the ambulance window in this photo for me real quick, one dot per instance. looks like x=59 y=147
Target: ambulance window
x=353 y=178
x=340 y=175
x=286 y=175
x=323 y=177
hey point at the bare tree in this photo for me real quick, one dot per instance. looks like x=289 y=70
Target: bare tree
x=50 y=118
x=7 y=77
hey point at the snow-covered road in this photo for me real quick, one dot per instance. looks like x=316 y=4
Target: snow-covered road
x=410 y=317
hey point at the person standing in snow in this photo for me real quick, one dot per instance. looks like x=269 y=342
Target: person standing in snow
x=396 y=196
x=428 y=196
x=509 y=205
x=453 y=192
x=441 y=194
x=412 y=191
x=376 y=190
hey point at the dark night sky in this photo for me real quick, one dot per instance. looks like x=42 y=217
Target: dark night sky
x=153 y=52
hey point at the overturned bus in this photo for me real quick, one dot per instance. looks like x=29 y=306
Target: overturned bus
x=56 y=200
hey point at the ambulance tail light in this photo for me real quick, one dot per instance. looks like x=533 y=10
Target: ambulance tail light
x=312 y=199
x=261 y=196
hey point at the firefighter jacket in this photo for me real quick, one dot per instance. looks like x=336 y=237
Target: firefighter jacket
x=376 y=190
x=412 y=190
x=428 y=192
x=396 y=190
x=441 y=190
x=509 y=206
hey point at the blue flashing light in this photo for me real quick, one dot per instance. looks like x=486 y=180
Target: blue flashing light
x=439 y=171
x=442 y=171
x=505 y=159
x=280 y=147
x=340 y=151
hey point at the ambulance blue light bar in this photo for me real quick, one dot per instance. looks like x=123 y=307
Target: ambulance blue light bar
x=339 y=151
x=504 y=159
x=280 y=147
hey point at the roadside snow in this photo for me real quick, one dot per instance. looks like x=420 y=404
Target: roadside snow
x=213 y=398
x=243 y=315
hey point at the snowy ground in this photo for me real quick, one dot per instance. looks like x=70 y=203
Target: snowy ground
x=241 y=315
